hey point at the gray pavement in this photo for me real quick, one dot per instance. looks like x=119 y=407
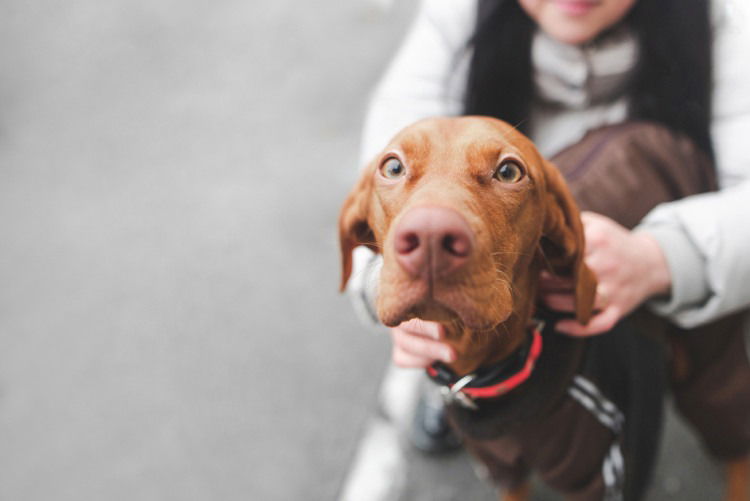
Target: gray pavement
x=170 y=175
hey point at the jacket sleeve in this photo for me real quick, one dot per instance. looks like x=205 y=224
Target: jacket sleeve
x=425 y=78
x=706 y=238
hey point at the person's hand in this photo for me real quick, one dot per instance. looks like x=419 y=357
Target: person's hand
x=417 y=344
x=629 y=266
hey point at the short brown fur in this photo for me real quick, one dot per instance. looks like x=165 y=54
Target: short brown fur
x=519 y=229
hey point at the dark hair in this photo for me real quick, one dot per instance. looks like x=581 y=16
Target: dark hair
x=671 y=84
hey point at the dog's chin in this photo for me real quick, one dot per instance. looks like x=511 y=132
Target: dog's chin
x=476 y=322
x=453 y=308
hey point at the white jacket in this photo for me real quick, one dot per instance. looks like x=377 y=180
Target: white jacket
x=706 y=238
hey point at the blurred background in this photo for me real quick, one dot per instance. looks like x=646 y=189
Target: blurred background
x=170 y=327
x=170 y=177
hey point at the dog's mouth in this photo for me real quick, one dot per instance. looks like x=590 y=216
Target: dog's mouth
x=474 y=306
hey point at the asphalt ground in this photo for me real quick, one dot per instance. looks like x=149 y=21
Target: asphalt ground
x=170 y=177
x=170 y=327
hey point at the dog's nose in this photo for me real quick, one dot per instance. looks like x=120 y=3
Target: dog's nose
x=432 y=240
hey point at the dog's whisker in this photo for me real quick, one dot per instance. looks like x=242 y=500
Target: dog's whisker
x=547 y=262
x=372 y=244
x=519 y=124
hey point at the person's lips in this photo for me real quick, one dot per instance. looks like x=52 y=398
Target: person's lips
x=576 y=7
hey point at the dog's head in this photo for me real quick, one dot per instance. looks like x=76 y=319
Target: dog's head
x=465 y=212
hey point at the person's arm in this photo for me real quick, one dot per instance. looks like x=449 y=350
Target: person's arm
x=706 y=238
x=706 y=242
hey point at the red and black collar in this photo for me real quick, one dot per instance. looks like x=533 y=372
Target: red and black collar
x=493 y=381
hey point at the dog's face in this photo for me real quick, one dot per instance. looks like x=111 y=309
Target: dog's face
x=465 y=212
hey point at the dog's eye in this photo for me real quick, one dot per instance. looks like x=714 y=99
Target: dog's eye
x=393 y=168
x=509 y=172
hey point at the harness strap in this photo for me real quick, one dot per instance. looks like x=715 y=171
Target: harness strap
x=588 y=395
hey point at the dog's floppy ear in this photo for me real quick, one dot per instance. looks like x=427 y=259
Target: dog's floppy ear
x=563 y=241
x=354 y=227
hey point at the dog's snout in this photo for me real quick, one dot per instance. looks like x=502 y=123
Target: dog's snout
x=432 y=241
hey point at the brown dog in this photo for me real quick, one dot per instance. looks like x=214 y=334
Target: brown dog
x=462 y=241
x=466 y=213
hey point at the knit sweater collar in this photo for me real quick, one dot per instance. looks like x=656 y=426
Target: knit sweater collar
x=578 y=76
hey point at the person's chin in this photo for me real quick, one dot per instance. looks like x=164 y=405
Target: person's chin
x=572 y=33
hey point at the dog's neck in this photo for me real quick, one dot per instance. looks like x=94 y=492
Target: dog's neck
x=476 y=349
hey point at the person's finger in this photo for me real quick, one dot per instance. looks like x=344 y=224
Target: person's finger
x=559 y=302
x=592 y=227
x=420 y=327
x=591 y=218
x=406 y=360
x=587 y=215
x=420 y=346
x=598 y=324
x=550 y=282
x=602 y=299
x=603 y=264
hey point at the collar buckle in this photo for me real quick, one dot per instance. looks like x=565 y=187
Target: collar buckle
x=454 y=395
